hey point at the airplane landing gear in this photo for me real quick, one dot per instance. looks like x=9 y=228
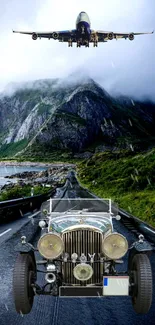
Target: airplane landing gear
x=95 y=43
x=87 y=44
x=70 y=42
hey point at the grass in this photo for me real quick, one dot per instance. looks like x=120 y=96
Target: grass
x=44 y=153
x=126 y=178
x=9 y=150
x=22 y=191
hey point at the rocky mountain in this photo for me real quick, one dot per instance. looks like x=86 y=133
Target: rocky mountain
x=57 y=114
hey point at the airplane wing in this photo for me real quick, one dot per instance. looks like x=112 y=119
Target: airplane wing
x=102 y=36
x=62 y=36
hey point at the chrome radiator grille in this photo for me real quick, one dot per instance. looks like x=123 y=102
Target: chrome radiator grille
x=82 y=241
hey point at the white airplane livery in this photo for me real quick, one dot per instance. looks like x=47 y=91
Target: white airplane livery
x=83 y=35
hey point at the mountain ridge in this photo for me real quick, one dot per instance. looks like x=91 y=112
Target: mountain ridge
x=73 y=116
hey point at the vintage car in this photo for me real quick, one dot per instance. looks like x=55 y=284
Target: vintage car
x=80 y=254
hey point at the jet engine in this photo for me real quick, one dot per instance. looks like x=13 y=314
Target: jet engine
x=131 y=36
x=34 y=36
x=111 y=36
x=55 y=35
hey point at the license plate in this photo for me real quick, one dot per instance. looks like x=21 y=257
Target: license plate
x=115 y=286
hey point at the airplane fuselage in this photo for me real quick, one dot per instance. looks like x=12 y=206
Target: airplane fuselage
x=83 y=28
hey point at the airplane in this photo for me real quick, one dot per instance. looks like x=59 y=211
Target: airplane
x=83 y=35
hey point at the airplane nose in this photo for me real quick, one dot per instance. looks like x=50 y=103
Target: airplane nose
x=83 y=17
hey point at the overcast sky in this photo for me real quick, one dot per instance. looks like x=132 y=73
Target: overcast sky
x=119 y=66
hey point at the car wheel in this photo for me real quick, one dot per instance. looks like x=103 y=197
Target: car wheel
x=24 y=275
x=141 y=280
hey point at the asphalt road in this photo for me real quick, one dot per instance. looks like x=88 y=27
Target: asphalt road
x=8 y=229
x=64 y=311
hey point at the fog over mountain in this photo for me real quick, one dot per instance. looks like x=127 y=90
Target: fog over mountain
x=118 y=66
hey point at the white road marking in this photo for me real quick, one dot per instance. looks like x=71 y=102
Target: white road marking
x=3 y=233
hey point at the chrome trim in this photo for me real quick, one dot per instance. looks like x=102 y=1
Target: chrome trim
x=50 y=277
x=82 y=240
x=51 y=267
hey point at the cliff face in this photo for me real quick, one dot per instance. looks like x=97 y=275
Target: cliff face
x=72 y=116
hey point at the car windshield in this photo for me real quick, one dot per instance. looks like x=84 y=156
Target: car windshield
x=57 y=206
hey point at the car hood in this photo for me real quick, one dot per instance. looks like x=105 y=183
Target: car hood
x=64 y=223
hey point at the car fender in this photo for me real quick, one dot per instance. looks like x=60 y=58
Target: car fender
x=139 y=247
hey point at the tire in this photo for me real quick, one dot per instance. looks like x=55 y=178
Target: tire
x=24 y=275
x=141 y=277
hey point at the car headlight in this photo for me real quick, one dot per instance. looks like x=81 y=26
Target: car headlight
x=83 y=272
x=115 y=246
x=50 y=245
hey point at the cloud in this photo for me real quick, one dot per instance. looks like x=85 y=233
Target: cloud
x=122 y=66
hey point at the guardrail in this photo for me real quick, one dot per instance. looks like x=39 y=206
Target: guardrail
x=20 y=201
x=12 y=209
x=142 y=226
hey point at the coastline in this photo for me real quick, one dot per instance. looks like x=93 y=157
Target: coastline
x=34 y=164
x=45 y=173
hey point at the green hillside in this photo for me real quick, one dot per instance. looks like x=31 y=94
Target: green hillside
x=126 y=177
x=10 y=149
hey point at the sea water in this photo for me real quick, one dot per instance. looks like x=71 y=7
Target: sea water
x=11 y=170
